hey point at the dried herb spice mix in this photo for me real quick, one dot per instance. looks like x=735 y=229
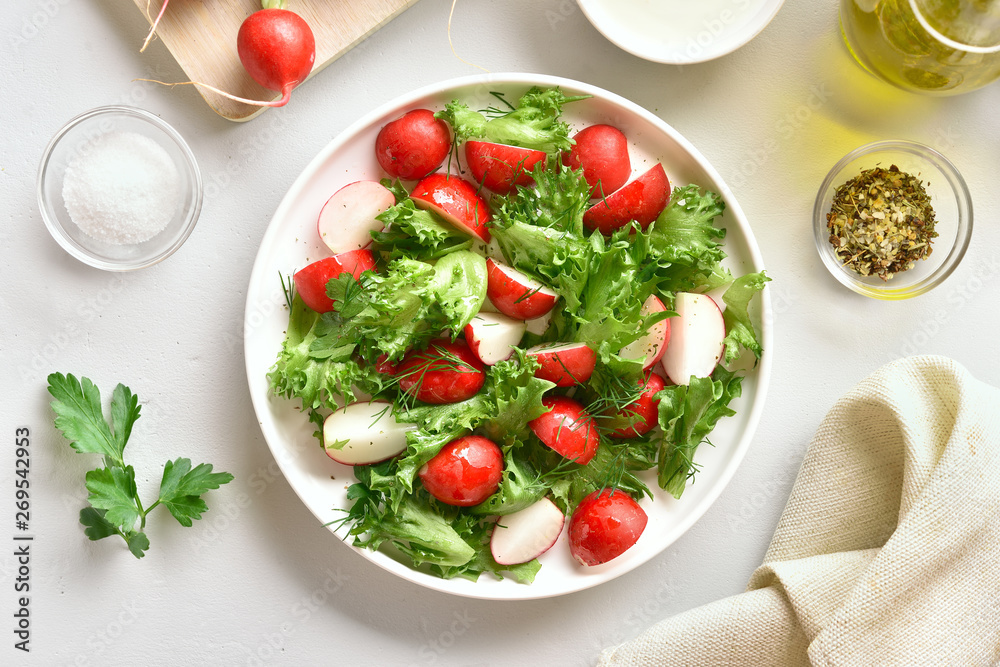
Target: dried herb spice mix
x=881 y=222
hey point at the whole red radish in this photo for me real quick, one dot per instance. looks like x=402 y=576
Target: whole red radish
x=445 y=372
x=602 y=152
x=567 y=428
x=457 y=201
x=465 y=472
x=604 y=526
x=277 y=49
x=642 y=200
x=500 y=167
x=310 y=282
x=639 y=417
x=413 y=145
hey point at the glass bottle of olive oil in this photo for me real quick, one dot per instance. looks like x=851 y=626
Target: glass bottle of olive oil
x=936 y=47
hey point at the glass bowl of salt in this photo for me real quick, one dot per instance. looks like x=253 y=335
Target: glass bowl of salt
x=119 y=188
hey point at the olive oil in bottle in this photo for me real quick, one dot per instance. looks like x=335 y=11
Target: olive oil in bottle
x=936 y=47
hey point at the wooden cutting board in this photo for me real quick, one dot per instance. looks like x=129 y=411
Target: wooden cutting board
x=201 y=35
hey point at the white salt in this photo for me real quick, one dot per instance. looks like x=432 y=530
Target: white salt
x=123 y=189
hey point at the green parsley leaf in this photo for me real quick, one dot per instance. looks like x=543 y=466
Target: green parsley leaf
x=96 y=526
x=114 y=490
x=80 y=417
x=124 y=413
x=182 y=486
x=138 y=544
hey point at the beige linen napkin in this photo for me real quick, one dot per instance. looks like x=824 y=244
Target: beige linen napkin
x=888 y=552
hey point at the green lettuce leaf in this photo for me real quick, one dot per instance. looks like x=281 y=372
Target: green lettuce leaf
x=318 y=373
x=509 y=399
x=414 y=527
x=687 y=414
x=686 y=243
x=520 y=487
x=740 y=332
x=533 y=123
x=417 y=234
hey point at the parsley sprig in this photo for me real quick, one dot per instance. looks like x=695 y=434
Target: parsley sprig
x=115 y=507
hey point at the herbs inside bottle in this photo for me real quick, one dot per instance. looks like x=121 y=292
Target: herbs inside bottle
x=881 y=222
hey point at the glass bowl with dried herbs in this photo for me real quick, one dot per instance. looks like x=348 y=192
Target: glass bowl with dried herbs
x=892 y=219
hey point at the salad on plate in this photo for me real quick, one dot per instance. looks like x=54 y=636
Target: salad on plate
x=512 y=328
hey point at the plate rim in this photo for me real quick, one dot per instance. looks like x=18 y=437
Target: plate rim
x=762 y=369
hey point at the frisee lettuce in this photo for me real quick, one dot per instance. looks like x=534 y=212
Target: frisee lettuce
x=316 y=366
x=408 y=305
x=416 y=234
x=534 y=123
x=687 y=414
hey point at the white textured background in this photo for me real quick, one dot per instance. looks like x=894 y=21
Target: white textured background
x=248 y=584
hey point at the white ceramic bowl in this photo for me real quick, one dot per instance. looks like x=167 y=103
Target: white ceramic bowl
x=291 y=241
x=680 y=32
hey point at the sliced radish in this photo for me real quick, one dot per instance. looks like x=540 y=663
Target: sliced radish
x=446 y=372
x=654 y=343
x=491 y=336
x=601 y=151
x=492 y=250
x=500 y=167
x=310 y=281
x=516 y=295
x=642 y=415
x=566 y=364
x=539 y=325
x=465 y=472
x=413 y=145
x=567 y=429
x=641 y=200
x=604 y=526
x=348 y=217
x=456 y=200
x=371 y=432
x=697 y=336
x=526 y=535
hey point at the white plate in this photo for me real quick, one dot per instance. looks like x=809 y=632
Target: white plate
x=291 y=241
x=680 y=32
